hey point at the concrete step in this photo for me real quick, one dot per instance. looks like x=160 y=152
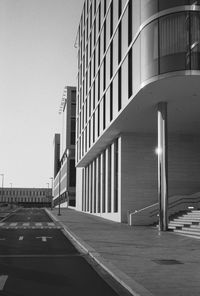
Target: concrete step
x=184 y=220
x=176 y=225
x=191 y=229
x=188 y=232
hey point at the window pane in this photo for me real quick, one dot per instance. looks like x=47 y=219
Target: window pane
x=148 y=8
x=125 y=33
x=173 y=42
x=195 y=41
x=149 y=51
x=163 y=4
x=136 y=16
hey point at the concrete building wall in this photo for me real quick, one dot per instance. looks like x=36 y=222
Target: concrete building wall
x=79 y=188
x=138 y=172
x=139 y=169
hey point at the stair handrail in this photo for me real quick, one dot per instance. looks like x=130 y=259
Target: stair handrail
x=145 y=208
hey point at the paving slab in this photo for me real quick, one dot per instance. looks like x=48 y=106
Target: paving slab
x=147 y=262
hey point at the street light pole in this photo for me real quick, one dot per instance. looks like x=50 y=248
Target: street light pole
x=51 y=178
x=11 y=195
x=2 y=175
x=59 y=214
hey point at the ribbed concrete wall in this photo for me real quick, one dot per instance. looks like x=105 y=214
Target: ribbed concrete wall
x=139 y=169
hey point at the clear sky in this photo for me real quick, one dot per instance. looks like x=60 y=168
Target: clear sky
x=37 y=59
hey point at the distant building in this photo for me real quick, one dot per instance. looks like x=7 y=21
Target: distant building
x=26 y=197
x=64 y=152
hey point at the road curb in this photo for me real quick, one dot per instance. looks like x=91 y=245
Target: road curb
x=124 y=280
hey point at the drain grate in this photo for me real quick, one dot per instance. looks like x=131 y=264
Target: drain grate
x=167 y=261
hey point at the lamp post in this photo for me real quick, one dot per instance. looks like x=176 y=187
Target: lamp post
x=59 y=213
x=68 y=153
x=51 y=178
x=11 y=194
x=2 y=175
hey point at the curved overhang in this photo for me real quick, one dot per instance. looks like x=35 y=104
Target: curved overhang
x=181 y=90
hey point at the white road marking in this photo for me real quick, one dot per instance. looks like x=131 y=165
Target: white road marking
x=26 y=224
x=3 y=279
x=1 y=224
x=38 y=224
x=21 y=238
x=50 y=224
x=13 y=224
x=44 y=238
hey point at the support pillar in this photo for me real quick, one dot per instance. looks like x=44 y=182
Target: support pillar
x=162 y=166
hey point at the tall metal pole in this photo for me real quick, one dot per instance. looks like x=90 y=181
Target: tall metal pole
x=162 y=152
x=51 y=178
x=11 y=195
x=2 y=175
x=59 y=194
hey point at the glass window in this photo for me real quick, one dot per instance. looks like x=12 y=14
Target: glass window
x=115 y=95
x=72 y=175
x=173 y=42
x=115 y=13
x=107 y=67
x=108 y=28
x=136 y=67
x=124 y=81
x=125 y=33
x=115 y=51
x=149 y=51
x=163 y=4
x=195 y=41
x=148 y=8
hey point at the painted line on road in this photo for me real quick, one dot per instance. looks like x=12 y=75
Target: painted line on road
x=3 y=279
x=13 y=224
x=1 y=224
x=38 y=224
x=26 y=224
x=44 y=238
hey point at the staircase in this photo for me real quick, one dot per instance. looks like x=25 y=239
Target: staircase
x=187 y=224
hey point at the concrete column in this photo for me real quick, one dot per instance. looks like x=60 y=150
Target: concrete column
x=90 y=187
x=97 y=186
x=86 y=189
x=93 y=187
x=107 y=181
x=162 y=152
x=102 y=185
x=113 y=179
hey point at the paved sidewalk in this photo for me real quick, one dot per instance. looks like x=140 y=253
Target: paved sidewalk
x=145 y=261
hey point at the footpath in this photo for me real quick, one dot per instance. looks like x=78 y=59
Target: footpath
x=145 y=261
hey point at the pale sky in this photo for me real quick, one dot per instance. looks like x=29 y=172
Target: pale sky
x=37 y=60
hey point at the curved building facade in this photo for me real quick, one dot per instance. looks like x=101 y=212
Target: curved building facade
x=138 y=89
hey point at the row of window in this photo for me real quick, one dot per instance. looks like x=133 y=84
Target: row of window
x=100 y=182
x=170 y=43
x=23 y=199
x=23 y=193
x=101 y=30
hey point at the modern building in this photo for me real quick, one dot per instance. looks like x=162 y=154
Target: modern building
x=64 y=152
x=26 y=197
x=138 y=69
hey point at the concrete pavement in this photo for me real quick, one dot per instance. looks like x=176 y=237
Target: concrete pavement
x=142 y=259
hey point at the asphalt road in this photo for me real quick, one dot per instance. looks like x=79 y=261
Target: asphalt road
x=37 y=259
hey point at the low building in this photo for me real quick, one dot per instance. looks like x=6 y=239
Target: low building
x=26 y=197
x=64 y=152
